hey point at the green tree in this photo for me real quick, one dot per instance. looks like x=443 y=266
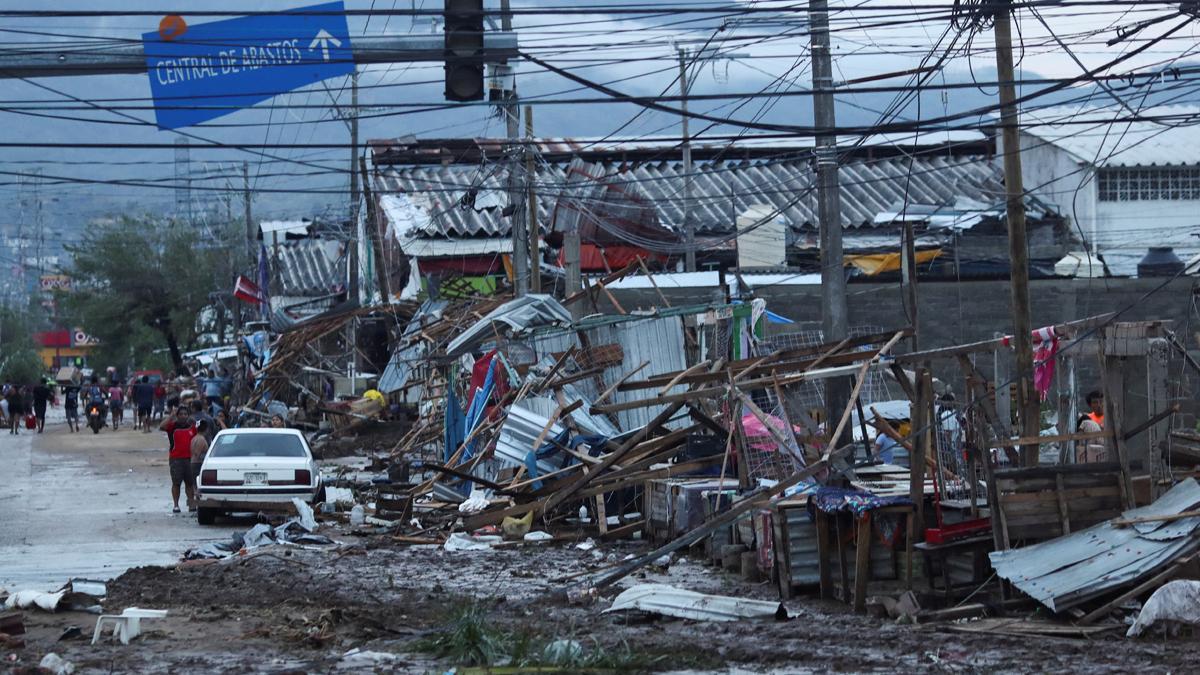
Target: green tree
x=139 y=281
x=19 y=360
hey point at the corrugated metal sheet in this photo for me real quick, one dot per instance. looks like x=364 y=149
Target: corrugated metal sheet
x=1171 y=139
x=721 y=190
x=1064 y=572
x=400 y=366
x=671 y=601
x=521 y=429
x=520 y=315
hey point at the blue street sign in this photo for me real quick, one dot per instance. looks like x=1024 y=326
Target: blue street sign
x=213 y=69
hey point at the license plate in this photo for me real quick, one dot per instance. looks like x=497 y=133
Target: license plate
x=254 y=478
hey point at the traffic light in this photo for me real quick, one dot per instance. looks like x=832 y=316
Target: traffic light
x=464 y=50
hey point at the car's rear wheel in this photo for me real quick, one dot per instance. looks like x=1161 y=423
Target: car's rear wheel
x=319 y=498
x=206 y=516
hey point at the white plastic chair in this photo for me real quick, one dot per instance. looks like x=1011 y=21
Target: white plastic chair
x=126 y=625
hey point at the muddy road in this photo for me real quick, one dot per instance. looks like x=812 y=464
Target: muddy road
x=84 y=505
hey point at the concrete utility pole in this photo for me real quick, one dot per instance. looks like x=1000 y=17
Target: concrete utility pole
x=354 y=149
x=689 y=228
x=516 y=182
x=1018 y=246
x=250 y=250
x=834 y=319
x=531 y=212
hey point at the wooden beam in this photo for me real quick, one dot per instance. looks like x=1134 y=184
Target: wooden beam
x=1062 y=329
x=609 y=392
x=859 y=380
x=1153 y=582
x=675 y=380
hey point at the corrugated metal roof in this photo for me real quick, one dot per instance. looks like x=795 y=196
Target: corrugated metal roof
x=1072 y=569
x=1170 y=136
x=310 y=267
x=721 y=190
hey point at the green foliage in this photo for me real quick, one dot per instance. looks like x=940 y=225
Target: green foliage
x=468 y=638
x=19 y=360
x=23 y=366
x=140 y=284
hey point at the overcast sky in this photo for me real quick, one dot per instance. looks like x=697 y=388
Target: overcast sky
x=644 y=65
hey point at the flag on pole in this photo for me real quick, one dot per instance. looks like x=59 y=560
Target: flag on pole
x=247 y=291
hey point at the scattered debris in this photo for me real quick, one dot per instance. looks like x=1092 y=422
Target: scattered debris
x=671 y=601
x=56 y=665
x=29 y=598
x=1178 y=601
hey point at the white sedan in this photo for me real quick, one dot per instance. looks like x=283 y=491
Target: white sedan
x=256 y=470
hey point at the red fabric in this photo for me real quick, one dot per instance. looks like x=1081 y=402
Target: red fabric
x=479 y=376
x=592 y=258
x=248 y=291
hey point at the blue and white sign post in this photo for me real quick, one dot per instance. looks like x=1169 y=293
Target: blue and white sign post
x=213 y=69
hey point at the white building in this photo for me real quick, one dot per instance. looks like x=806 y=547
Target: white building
x=1124 y=185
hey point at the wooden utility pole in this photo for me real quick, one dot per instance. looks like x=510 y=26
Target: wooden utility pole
x=531 y=213
x=908 y=279
x=1018 y=246
x=834 y=320
x=516 y=183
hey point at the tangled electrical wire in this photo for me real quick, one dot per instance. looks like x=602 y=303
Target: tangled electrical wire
x=973 y=15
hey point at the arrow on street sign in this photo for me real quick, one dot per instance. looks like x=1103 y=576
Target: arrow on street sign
x=219 y=67
x=324 y=38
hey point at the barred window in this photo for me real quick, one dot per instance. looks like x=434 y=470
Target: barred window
x=1147 y=184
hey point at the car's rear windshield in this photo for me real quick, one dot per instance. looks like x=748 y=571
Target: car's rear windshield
x=257 y=445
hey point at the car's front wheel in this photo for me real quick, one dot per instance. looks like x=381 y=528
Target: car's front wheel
x=206 y=516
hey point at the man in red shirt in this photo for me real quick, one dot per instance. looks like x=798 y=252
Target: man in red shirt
x=180 y=432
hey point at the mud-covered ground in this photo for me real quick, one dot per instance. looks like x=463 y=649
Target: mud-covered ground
x=291 y=610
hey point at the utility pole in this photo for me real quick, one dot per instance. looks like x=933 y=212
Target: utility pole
x=1018 y=247
x=249 y=216
x=354 y=148
x=689 y=229
x=834 y=320
x=512 y=113
x=531 y=212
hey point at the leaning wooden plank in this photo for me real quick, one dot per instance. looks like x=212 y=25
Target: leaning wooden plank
x=1122 y=522
x=858 y=384
x=674 y=381
x=998 y=343
x=609 y=392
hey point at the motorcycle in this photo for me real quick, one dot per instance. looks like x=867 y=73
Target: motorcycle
x=96 y=413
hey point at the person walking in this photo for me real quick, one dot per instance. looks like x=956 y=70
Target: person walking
x=180 y=431
x=41 y=396
x=143 y=399
x=116 y=400
x=160 y=401
x=15 y=409
x=199 y=447
x=71 y=407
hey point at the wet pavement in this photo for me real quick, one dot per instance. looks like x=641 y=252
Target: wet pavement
x=85 y=505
